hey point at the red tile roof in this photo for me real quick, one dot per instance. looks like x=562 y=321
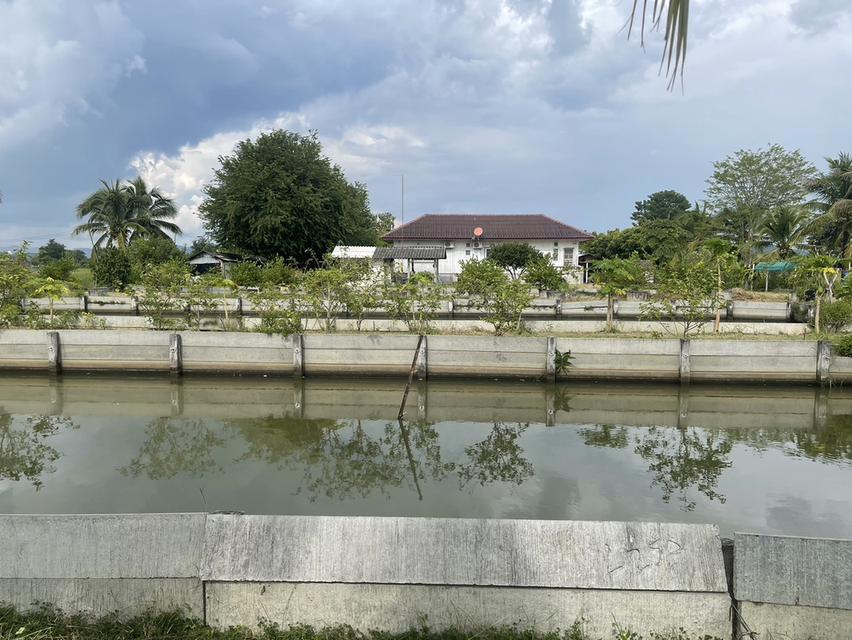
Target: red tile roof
x=444 y=226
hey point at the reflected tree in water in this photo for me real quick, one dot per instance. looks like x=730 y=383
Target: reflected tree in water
x=604 y=435
x=24 y=451
x=176 y=446
x=834 y=442
x=681 y=459
x=497 y=458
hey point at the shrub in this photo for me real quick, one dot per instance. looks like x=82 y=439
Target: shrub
x=415 y=302
x=514 y=256
x=246 y=274
x=276 y=316
x=542 y=274
x=111 y=268
x=843 y=346
x=82 y=278
x=161 y=293
x=836 y=315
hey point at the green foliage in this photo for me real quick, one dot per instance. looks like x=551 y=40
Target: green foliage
x=50 y=252
x=59 y=269
x=544 y=275
x=614 y=277
x=564 y=361
x=784 y=229
x=82 y=278
x=687 y=291
x=837 y=315
x=415 y=302
x=478 y=277
x=51 y=289
x=161 y=295
x=326 y=292
x=15 y=276
x=111 y=268
x=202 y=243
x=119 y=213
x=833 y=189
x=661 y=205
x=278 y=315
x=151 y=251
x=278 y=195
x=843 y=346
x=513 y=256
x=246 y=274
x=502 y=299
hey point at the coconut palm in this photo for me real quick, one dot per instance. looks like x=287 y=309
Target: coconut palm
x=117 y=213
x=833 y=200
x=785 y=229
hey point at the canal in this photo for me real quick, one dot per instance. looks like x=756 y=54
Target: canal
x=748 y=458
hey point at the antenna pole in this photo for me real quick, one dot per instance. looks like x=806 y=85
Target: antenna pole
x=402 y=199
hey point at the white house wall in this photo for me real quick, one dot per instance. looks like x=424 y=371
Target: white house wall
x=465 y=250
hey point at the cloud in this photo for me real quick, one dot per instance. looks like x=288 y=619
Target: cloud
x=500 y=105
x=58 y=61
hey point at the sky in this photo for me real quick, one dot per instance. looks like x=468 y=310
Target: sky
x=489 y=106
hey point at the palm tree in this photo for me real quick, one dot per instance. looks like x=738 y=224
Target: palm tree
x=833 y=191
x=118 y=213
x=785 y=229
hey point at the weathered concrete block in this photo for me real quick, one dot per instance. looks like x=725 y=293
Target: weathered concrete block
x=793 y=571
x=783 y=622
x=457 y=551
x=101 y=546
x=396 y=608
x=99 y=596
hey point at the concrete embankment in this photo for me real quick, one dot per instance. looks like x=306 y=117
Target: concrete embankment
x=394 y=573
x=710 y=360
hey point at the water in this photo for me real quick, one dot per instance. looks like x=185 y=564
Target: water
x=763 y=459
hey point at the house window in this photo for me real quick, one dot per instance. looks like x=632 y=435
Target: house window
x=467 y=244
x=568 y=255
x=467 y=251
x=554 y=255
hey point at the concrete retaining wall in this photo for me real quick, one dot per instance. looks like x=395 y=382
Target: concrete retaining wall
x=793 y=588
x=716 y=360
x=372 y=573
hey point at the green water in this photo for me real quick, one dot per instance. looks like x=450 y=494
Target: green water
x=766 y=459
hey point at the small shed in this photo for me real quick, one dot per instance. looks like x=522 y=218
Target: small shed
x=410 y=256
x=205 y=261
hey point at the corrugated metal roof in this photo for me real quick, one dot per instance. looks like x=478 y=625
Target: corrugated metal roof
x=353 y=251
x=410 y=253
x=435 y=226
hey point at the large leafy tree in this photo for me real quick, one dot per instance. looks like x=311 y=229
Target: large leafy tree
x=833 y=190
x=118 y=213
x=749 y=184
x=278 y=195
x=513 y=256
x=661 y=205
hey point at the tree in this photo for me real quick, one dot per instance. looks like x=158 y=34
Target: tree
x=15 y=276
x=687 y=289
x=833 y=190
x=385 y=223
x=747 y=185
x=151 y=251
x=415 y=302
x=513 y=257
x=51 y=251
x=202 y=243
x=279 y=196
x=111 y=268
x=503 y=300
x=815 y=275
x=161 y=293
x=785 y=229
x=544 y=275
x=661 y=205
x=52 y=290
x=615 y=277
x=118 y=213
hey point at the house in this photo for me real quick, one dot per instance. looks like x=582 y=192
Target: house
x=205 y=261
x=472 y=235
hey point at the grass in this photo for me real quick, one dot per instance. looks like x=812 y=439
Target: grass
x=50 y=624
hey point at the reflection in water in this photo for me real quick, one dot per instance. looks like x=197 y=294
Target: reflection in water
x=486 y=450
x=174 y=447
x=24 y=451
x=681 y=459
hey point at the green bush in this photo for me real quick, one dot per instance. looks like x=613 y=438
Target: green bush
x=82 y=278
x=836 y=315
x=544 y=275
x=843 y=346
x=111 y=268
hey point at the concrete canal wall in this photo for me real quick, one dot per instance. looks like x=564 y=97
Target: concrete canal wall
x=395 y=573
x=796 y=588
x=708 y=360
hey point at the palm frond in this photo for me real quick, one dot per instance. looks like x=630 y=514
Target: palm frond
x=675 y=36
